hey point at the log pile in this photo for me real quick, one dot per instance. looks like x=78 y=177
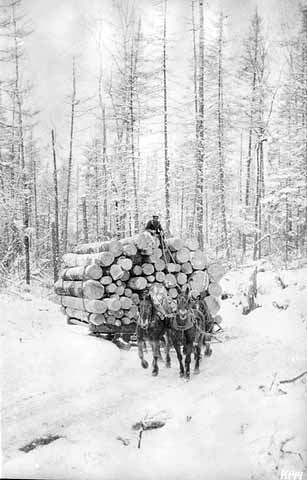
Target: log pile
x=101 y=283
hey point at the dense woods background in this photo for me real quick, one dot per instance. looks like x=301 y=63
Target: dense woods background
x=168 y=107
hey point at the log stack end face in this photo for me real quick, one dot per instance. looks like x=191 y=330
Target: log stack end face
x=104 y=288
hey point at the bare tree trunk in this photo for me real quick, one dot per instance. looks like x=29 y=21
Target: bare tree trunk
x=18 y=97
x=117 y=219
x=104 y=166
x=77 y=205
x=297 y=232
x=104 y=154
x=241 y=168
x=165 y=127
x=84 y=219
x=304 y=116
x=56 y=200
x=247 y=187
x=125 y=202
x=195 y=76
x=206 y=215
x=221 y=146
x=250 y=133
x=240 y=180
x=54 y=252
x=287 y=233
x=70 y=158
x=261 y=195
x=34 y=186
x=257 y=203
x=138 y=146
x=132 y=146
x=182 y=205
x=96 y=201
x=201 y=134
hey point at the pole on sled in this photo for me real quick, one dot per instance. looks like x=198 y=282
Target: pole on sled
x=165 y=247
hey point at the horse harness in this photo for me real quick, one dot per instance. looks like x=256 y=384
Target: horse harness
x=192 y=318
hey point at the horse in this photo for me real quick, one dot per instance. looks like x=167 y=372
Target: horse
x=189 y=327
x=208 y=325
x=152 y=324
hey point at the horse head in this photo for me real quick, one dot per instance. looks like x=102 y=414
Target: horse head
x=160 y=300
x=182 y=308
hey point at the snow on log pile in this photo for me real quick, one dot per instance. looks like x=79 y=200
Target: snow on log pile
x=101 y=283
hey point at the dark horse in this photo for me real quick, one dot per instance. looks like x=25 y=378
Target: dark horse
x=189 y=327
x=152 y=324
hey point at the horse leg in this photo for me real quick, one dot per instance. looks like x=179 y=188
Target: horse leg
x=176 y=344
x=155 y=356
x=208 y=349
x=197 y=352
x=167 y=350
x=140 y=340
x=197 y=358
x=160 y=358
x=187 y=362
x=189 y=341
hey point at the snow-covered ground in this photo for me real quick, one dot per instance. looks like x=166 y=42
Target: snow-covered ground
x=233 y=421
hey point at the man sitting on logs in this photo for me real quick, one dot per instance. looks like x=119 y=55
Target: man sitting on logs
x=154 y=226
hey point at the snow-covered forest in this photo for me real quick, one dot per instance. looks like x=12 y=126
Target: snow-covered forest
x=176 y=107
x=113 y=112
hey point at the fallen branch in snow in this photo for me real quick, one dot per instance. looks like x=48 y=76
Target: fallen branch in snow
x=280 y=306
x=289 y=452
x=125 y=441
x=282 y=445
x=140 y=437
x=280 y=281
x=291 y=380
x=273 y=381
x=147 y=424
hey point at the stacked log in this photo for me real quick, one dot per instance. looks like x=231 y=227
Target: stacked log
x=101 y=284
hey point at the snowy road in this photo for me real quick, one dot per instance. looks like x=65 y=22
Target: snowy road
x=234 y=420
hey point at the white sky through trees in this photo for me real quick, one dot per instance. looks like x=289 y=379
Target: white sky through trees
x=66 y=27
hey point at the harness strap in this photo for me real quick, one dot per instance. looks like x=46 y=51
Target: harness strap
x=143 y=323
